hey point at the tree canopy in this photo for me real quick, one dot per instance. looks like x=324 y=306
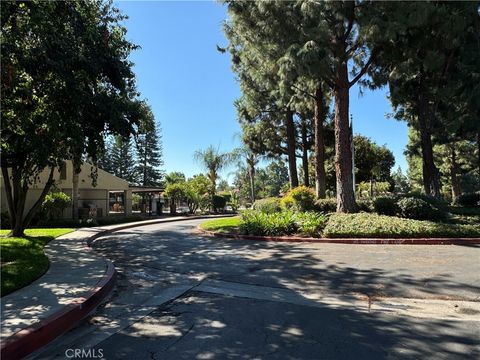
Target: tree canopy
x=66 y=82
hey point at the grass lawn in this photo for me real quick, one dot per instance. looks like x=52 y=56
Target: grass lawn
x=225 y=225
x=22 y=259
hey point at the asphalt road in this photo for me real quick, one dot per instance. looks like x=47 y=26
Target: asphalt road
x=183 y=296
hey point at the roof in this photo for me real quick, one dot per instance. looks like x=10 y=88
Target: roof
x=146 y=188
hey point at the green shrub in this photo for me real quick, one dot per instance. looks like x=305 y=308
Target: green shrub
x=258 y=223
x=385 y=205
x=254 y=222
x=218 y=203
x=234 y=200
x=363 y=225
x=268 y=205
x=326 y=205
x=54 y=204
x=469 y=199
x=300 y=198
x=435 y=202
x=311 y=223
x=365 y=205
x=416 y=208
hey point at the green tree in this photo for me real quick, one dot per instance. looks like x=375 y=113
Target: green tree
x=223 y=186
x=372 y=162
x=175 y=177
x=248 y=158
x=273 y=178
x=213 y=162
x=332 y=38
x=149 y=152
x=122 y=159
x=66 y=81
x=422 y=74
x=175 y=192
x=400 y=181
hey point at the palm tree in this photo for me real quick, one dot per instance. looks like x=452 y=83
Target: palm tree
x=246 y=156
x=213 y=162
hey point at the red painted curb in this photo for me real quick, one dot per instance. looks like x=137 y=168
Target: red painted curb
x=27 y=340
x=353 y=241
x=32 y=338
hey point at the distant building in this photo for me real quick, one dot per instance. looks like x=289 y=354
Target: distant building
x=111 y=195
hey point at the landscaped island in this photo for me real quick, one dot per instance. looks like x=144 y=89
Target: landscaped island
x=297 y=213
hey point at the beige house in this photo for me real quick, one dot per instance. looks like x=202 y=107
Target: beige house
x=111 y=194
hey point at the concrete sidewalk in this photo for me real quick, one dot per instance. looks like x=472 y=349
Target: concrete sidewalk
x=75 y=283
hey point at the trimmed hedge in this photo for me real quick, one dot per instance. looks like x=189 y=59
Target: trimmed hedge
x=363 y=225
x=418 y=209
x=385 y=205
x=218 y=203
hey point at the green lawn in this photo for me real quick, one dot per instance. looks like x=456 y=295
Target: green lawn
x=22 y=259
x=225 y=225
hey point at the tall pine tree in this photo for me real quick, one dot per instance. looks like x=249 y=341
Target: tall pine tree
x=122 y=162
x=149 y=153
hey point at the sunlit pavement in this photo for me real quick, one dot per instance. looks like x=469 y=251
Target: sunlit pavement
x=182 y=296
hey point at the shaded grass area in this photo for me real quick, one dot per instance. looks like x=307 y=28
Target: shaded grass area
x=378 y=226
x=225 y=225
x=22 y=259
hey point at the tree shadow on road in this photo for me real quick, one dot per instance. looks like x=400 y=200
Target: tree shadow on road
x=208 y=326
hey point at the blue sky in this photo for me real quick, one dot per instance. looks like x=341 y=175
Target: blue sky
x=191 y=88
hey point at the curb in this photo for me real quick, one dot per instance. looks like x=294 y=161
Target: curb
x=32 y=338
x=353 y=241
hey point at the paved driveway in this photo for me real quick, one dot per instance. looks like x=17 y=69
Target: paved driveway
x=183 y=296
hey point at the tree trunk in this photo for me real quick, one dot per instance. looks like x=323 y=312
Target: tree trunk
x=33 y=210
x=478 y=145
x=306 y=178
x=16 y=201
x=292 y=158
x=75 y=175
x=455 y=184
x=251 y=175
x=343 y=140
x=319 y=117
x=431 y=181
x=173 y=207
x=8 y=192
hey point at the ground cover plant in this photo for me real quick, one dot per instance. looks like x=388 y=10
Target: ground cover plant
x=22 y=259
x=378 y=226
x=464 y=222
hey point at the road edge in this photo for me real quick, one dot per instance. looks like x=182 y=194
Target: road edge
x=352 y=241
x=33 y=337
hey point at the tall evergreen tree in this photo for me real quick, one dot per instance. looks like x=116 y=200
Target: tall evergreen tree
x=149 y=170
x=122 y=159
x=421 y=73
x=329 y=39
